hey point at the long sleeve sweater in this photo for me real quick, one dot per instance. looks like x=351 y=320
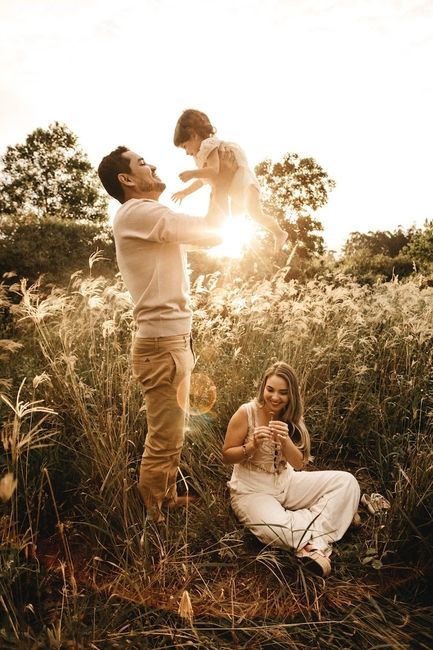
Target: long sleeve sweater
x=151 y=244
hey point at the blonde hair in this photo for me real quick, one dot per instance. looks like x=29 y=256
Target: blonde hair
x=294 y=412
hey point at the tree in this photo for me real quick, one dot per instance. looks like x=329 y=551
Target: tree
x=420 y=247
x=291 y=190
x=379 y=242
x=377 y=256
x=49 y=176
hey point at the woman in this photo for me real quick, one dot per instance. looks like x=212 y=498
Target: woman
x=266 y=441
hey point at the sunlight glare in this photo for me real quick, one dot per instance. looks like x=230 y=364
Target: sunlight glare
x=237 y=234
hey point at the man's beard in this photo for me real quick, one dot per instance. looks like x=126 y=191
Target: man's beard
x=154 y=186
x=160 y=186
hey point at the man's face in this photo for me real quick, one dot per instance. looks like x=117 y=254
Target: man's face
x=143 y=174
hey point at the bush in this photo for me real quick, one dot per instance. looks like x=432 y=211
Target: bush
x=54 y=249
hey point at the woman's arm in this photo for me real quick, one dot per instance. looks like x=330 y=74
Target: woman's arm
x=291 y=453
x=235 y=450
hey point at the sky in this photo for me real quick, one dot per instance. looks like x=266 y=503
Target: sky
x=347 y=82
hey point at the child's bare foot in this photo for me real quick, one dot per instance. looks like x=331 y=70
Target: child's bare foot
x=280 y=239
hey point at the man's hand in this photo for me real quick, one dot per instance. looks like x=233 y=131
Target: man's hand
x=228 y=164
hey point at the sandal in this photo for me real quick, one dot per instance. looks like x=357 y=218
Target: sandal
x=375 y=502
x=315 y=561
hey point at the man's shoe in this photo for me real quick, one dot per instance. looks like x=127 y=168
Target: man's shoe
x=183 y=501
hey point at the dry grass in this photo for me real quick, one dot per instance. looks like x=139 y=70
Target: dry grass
x=73 y=434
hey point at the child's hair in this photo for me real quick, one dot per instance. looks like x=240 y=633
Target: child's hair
x=294 y=411
x=191 y=122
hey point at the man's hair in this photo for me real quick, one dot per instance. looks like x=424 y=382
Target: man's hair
x=108 y=170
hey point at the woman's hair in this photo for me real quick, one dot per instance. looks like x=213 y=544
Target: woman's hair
x=109 y=168
x=191 y=122
x=294 y=411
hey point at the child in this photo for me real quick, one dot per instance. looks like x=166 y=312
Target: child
x=195 y=134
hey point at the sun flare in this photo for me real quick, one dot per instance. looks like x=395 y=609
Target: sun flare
x=237 y=235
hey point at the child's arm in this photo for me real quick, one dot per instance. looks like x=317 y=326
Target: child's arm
x=209 y=172
x=179 y=196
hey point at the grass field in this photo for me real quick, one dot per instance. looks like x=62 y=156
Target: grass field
x=81 y=567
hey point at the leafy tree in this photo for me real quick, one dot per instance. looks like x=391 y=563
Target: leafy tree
x=49 y=176
x=420 y=247
x=369 y=269
x=295 y=183
x=379 y=242
x=377 y=256
x=291 y=190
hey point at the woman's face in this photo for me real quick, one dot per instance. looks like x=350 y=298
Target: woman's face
x=276 y=394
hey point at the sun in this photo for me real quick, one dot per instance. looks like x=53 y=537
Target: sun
x=237 y=234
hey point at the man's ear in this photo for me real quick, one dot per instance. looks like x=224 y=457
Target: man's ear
x=125 y=179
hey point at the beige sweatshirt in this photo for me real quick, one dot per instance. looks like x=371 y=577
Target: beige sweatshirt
x=151 y=254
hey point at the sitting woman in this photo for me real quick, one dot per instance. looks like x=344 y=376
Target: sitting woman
x=267 y=441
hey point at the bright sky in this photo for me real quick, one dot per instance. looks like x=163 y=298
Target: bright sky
x=348 y=82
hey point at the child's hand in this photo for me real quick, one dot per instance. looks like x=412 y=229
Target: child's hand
x=186 y=176
x=178 y=197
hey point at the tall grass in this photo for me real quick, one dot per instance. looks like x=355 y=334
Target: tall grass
x=364 y=358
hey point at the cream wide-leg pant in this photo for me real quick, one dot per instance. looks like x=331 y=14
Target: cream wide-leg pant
x=292 y=509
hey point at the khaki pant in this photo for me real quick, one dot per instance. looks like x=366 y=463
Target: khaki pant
x=163 y=366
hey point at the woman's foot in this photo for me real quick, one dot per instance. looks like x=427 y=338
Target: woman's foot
x=375 y=503
x=356 y=521
x=315 y=561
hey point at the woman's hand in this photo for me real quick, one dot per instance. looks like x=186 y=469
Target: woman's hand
x=260 y=435
x=292 y=453
x=279 y=430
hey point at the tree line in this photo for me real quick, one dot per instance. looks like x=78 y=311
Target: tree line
x=54 y=215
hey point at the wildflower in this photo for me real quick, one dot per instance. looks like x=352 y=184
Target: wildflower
x=185 y=607
x=40 y=379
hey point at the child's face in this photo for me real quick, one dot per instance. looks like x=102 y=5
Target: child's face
x=192 y=145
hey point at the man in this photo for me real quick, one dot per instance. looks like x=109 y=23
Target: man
x=150 y=249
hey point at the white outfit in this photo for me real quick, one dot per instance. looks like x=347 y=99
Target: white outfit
x=244 y=179
x=288 y=508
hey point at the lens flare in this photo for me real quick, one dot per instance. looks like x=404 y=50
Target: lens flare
x=202 y=393
x=237 y=235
